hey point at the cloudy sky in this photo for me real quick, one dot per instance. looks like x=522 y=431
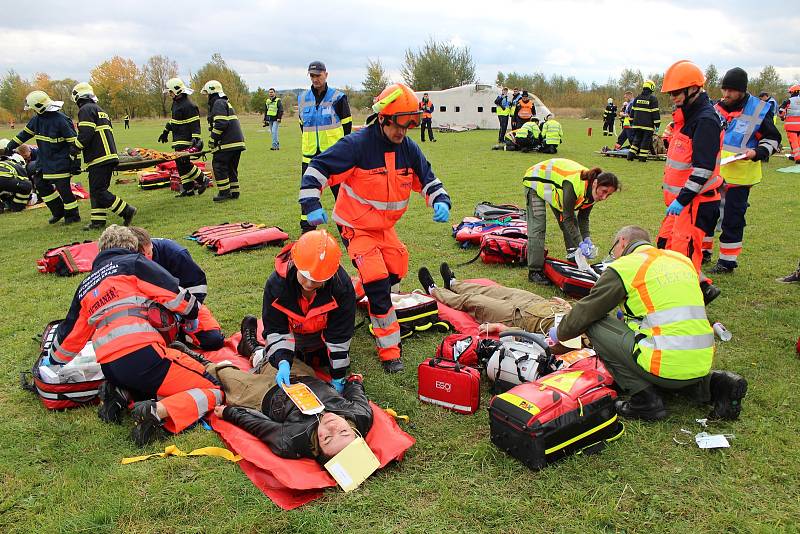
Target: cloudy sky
x=271 y=42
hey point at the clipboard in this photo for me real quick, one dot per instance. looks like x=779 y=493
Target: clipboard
x=731 y=159
x=353 y=465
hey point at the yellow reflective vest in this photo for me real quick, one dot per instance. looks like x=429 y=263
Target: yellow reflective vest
x=552 y=133
x=547 y=178
x=666 y=312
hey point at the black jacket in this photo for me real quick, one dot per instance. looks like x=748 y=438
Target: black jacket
x=55 y=137
x=610 y=111
x=644 y=111
x=332 y=313
x=95 y=135
x=286 y=430
x=226 y=131
x=185 y=122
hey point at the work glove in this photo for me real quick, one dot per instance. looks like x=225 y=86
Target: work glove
x=197 y=143
x=441 y=212
x=317 y=217
x=552 y=336
x=75 y=167
x=338 y=384
x=282 y=378
x=164 y=137
x=675 y=208
x=190 y=326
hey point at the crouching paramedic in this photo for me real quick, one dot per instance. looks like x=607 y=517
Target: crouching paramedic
x=691 y=175
x=665 y=340
x=377 y=168
x=205 y=332
x=110 y=308
x=309 y=310
x=15 y=190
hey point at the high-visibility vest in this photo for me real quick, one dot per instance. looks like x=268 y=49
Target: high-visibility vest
x=322 y=127
x=427 y=110
x=529 y=129
x=272 y=106
x=792 y=115
x=740 y=135
x=525 y=109
x=552 y=132
x=678 y=167
x=665 y=308
x=548 y=178
x=626 y=122
x=504 y=112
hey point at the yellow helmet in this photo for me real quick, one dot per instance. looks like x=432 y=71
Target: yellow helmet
x=212 y=87
x=649 y=84
x=82 y=90
x=38 y=101
x=177 y=87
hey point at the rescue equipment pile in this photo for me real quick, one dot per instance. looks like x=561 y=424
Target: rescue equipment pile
x=229 y=237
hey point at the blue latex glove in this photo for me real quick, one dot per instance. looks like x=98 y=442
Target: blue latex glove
x=552 y=335
x=191 y=326
x=282 y=378
x=586 y=249
x=317 y=217
x=675 y=208
x=338 y=384
x=441 y=212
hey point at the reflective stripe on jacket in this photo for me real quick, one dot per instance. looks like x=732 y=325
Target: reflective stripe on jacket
x=95 y=135
x=322 y=127
x=548 y=178
x=226 y=131
x=54 y=134
x=665 y=308
x=740 y=135
x=525 y=110
x=185 y=122
x=552 y=133
x=792 y=115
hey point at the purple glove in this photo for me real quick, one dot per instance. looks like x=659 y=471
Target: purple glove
x=552 y=336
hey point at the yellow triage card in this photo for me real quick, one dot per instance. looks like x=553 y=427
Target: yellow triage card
x=305 y=399
x=353 y=465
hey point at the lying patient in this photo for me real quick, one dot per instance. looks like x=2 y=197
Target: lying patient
x=259 y=406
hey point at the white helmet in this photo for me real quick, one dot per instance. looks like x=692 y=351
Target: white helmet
x=83 y=90
x=177 y=87
x=212 y=87
x=3 y=144
x=610 y=100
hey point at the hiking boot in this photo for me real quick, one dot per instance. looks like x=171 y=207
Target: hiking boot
x=127 y=215
x=224 y=194
x=710 y=292
x=643 y=159
x=631 y=156
x=790 y=278
x=645 y=405
x=55 y=218
x=70 y=219
x=114 y=401
x=721 y=269
x=426 y=281
x=538 y=277
x=393 y=366
x=92 y=226
x=727 y=391
x=184 y=348
x=202 y=185
x=185 y=193
x=706 y=258
x=249 y=342
x=234 y=195
x=447 y=274
x=147 y=426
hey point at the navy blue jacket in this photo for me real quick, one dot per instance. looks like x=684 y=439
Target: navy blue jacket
x=55 y=136
x=703 y=126
x=179 y=263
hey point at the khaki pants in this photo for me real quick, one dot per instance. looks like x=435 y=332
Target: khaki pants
x=499 y=304
x=249 y=389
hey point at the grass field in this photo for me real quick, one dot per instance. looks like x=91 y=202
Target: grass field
x=61 y=472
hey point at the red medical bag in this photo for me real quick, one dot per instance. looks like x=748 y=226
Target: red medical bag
x=449 y=384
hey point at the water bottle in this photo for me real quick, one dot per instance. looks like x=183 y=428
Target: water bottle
x=722 y=333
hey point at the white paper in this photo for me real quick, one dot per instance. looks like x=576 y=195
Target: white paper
x=574 y=343
x=341 y=476
x=731 y=159
x=711 y=441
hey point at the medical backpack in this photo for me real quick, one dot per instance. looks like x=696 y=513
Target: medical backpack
x=467 y=349
x=566 y=412
x=471 y=230
x=566 y=276
x=154 y=180
x=449 y=384
x=508 y=245
x=416 y=312
x=55 y=390
x=69 y=259
x=488 y=211
x=519 y=357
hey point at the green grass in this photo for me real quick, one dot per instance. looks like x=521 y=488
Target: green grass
x=60 y=472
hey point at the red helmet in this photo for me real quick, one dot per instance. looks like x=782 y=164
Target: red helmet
x=681 y=75
x=316 y=255
x=399 y=104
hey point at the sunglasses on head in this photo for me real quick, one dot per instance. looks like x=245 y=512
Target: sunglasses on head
x=409 y=119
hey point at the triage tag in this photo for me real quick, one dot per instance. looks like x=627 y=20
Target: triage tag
x=574 y=343
x=353 y=465
x=302 y=397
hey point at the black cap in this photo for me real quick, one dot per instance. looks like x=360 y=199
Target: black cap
x=316 y=67
x=735 y=79
x=524 y=93
x=763 y=93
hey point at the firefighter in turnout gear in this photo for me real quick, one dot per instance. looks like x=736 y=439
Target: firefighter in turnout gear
x=185 y=129
x=227 y=141
x=377 y=167
x=96 y=141
x=308 y=311
x=750 y=130
x=691 y=174
x=646 y=119
x=112 y=308
x=324 y=119
x=609 y=116
x=15 y=190
x=55 y=136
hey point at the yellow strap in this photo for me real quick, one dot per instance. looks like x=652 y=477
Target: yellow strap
x=395 y=415
x=173 y=450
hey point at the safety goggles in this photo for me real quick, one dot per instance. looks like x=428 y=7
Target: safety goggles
x=676 y=93
x=406 y=119
x=611 y=257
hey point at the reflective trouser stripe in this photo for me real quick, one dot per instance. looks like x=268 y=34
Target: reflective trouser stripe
x=708 y=243
x=186 y=407
x=386 y=330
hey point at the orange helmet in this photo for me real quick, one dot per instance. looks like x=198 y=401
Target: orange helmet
x=399 y=104
x=681 y=75
x=316 y=255
x=795 y=88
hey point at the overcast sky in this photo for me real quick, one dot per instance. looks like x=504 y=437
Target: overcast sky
x=270 y=43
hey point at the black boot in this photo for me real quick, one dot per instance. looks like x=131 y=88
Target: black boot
x=249 y=342
x=727 y=391
x=185 y=193
x=147 y=426
x=94 y=226
x=447 y=274
x=393 y=366
x=234 y=195
x=74 y=218
x=710 y=292
x=127 y=215
x=224 y=194
x=719 y=268
x=55 y=218
x=181 y=346
x=538 y=277
x=426 y=281
x=114 y=401
x=201 y=184
x=646 y=405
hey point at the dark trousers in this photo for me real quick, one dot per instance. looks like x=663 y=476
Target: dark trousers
x=426 y=123
x=549 y=149
x=304 y=226
x=226 y=170
x=732 y=210
x=624 y=136
x=190 y=175
x=127 y=125
x=516 y=123
x=18 y=190
x=503 y=127
x=608 y=125
x=101 y=198
x=641 y=142
x=57 y=194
